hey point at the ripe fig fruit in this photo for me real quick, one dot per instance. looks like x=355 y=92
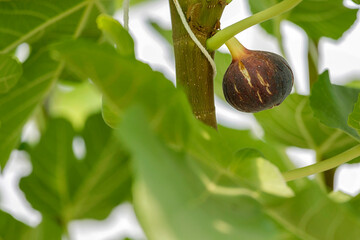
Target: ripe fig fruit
x=256 y=80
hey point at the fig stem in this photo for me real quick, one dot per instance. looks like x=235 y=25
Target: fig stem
x=324 y=165
x=235 y=47
x=224 y=35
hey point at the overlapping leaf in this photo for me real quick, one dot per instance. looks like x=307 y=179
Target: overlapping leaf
x=17 y=105
x=179 y=197
x=63 y=187
x=10 y=229
x=293 y=124
x=32 y=22
x=243 y=139
x=76 y=104
x=39 y=23
x=354 y=117
x=10 y=72
x=332 y=104
x=318 y=18
x=185 y=174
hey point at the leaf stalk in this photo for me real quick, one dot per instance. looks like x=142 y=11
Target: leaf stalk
x=323 y=165
x=224 y=35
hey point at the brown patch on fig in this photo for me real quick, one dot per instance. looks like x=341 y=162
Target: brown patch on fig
x=257 y=81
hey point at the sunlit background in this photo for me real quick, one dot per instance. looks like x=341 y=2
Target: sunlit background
x=341 y=57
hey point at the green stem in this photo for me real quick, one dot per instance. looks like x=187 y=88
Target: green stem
x=323 y=165
x=313 y=59
x=235 y=47
x=224 y=35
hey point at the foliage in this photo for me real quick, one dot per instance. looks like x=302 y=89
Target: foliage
x=186 y=180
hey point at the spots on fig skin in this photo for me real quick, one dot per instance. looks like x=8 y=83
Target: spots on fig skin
x=257 y=81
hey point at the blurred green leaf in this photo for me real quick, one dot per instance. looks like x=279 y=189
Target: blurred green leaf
x=177 y=196
x=17 y=105
x=115 y=32
x=354 y=117
x=10 y=72
x=312 y=215
x=251 y=165
x=125 y=47
x=332 y=104
x=125 y=81
x=75 y=102
x=165 y=33
x=29 y=21
x=183 y=168
x=12 y=229
x=63 y=187
x=171 y=118
x=39 y=23
x=47 y=229
x=318 y=18
x=293 y=124
x=273 y=152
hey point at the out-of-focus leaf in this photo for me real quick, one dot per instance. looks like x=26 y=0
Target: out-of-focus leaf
x=75 y=102
x=47 y=229
x=293 y=124
x=124 y=81
x=47 y=20
x=312 y=215
x=183 y=180
x=10 y=72
x=65 y=188
x=354 y=117
x=115 y=32
x=17 y=105
x=238 y=139
x=177 y=196
x=165 y=33
x=171 y=118
x=39 y=23
x=251 y=165
x=332 y=104
x=318 y=18
x=11 y=229
x=125 y=47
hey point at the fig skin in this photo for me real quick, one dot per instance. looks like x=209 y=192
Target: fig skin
x=257 y=80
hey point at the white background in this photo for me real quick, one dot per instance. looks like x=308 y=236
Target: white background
x=341 y=57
